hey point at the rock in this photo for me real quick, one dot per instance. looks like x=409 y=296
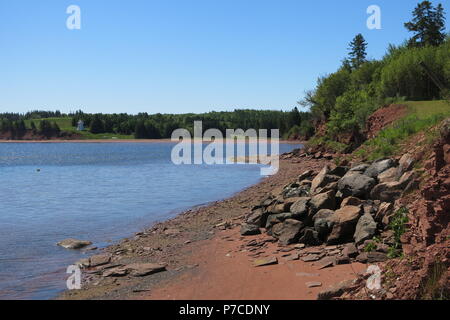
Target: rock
x=345 y=220
x=326 y=262
x=293 y=257
x=389 y=175
x=351 y=201
x=144 y=269
x=258 y=217
x=379 y=167
x=287 y=232
x=171 y=232
x=387 y=192
x=99 y=260
x=306 y=175
x=73 y=244
x=115 y=272
x=265 y=262
x=313 y=284
x=406 y=178
x=360 y=168
x=300 y=208
x=323 y=222
x=83 y=263
x=339 y=171
x=248 y=229
x=371 y=257
x=356 y=184
x=342 y=260
x=350 y=250
x=273 y=219
x=319 y=180
x=365 y=229
x=311 y=258
x=310 y=237
x=321 y=201
x=336 y=290
x=385 y=209
x=406 y=163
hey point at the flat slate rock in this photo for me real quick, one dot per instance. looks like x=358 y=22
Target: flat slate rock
x=74 y=243
x=311 y=258
x=265 y=262
x=313 y=284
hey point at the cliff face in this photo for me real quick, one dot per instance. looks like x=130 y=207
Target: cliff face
x=427 y=243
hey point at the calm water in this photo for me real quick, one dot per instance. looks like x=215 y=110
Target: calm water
x=97 y=192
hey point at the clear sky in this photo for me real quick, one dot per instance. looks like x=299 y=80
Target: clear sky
x=180 y=56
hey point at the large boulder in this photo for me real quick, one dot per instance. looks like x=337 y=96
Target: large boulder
x=387 y=192
x=300 y=208
x=310 y=237
x=305 y=175
x=258 y=217
x=339 y=171
x=356 y=184
x=323 y=222
x=379 y=167
x=321 y=201
x=405 y=163
x=248 y=229
x=365 y=229
x=389 y=175
x=277 y=218
x=320 y=179
x=351 y=201
x=287 y=232
x=345 y=220
x=361 y=168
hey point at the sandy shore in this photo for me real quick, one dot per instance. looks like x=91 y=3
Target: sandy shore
x=207 y=258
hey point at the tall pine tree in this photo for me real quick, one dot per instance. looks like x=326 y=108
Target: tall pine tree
x=428 y=25
x=357 y=54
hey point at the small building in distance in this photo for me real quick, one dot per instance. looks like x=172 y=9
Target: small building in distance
x=80 y=126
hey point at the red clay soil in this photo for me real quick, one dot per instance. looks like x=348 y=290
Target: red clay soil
x=384 y=117
x=226 y=272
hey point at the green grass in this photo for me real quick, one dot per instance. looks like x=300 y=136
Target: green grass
x=422 y=115
x=65 y=124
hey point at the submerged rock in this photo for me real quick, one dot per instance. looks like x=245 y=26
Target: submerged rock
x=74 y=243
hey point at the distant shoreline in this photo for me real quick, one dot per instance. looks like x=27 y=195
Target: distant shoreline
x=120 y=141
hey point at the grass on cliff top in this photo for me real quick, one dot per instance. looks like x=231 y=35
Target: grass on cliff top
x=421 y=117
x=65 y=124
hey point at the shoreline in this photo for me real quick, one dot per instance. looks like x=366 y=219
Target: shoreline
x=201 y=246
x=125 y=141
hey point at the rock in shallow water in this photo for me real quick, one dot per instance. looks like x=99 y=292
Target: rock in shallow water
x=74 y=243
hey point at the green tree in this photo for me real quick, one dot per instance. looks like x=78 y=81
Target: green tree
x=97 y=125
x=357 y=54
x=428 y=25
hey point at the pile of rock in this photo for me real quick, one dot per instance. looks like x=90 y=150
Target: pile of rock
x=336 y=206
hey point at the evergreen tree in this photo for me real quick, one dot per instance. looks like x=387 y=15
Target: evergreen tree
x=97 y=125
x=45 y=128
x=33 y=127
x=357 y=54
x=139 y=131
x=428 y=25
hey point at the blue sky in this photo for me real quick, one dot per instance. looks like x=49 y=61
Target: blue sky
x=180 y=56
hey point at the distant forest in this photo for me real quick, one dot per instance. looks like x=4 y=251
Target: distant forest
x=293 y=124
